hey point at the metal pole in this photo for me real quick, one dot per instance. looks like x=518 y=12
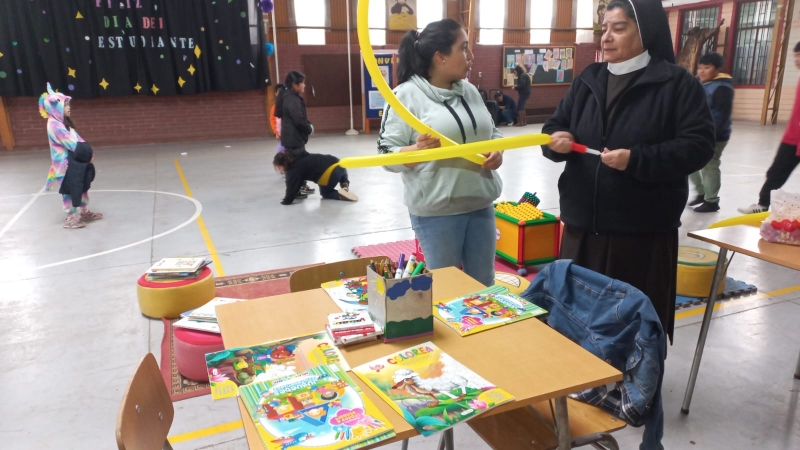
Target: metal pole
x=275 y=46
x=404 y=446
x=352 y=131
x=797 y=371
x=562 y=424
x=719 y=272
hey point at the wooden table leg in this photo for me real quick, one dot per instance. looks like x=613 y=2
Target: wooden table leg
x=719 y=272
x=562 y=424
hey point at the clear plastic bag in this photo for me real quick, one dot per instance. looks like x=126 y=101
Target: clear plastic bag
x=783 y=224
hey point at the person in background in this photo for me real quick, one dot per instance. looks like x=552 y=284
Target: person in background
x=64 y=141
x=321 y=169
x=508 y=109
x=275 y=122
x=523 y=88
x=650 y=119
x=295 y=127
x=449 y=201
x=719 y=93
x=787 y=158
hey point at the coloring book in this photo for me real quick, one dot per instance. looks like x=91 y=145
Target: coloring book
x=321 y=408
x=230 y=369
x=429 y=388
x=484 y=310
x=349 y=294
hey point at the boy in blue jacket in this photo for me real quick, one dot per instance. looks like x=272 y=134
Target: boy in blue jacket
x=719 y=93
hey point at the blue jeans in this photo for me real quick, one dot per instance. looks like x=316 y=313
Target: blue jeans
x=463 y=239
x=506 y=116
x=339 y=175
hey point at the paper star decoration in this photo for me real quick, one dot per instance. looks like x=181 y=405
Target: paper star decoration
x=138 y=88
x=1 y=54
x=191 y=68
x=197 y=51
x=155 y=89
x=71 y=72
x=104 y=83
x=79 y=16
x=181 y=81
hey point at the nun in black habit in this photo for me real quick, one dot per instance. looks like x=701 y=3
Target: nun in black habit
x=650 y=119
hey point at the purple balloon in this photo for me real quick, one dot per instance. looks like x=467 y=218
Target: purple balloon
x=267 y=6
x=71 y=87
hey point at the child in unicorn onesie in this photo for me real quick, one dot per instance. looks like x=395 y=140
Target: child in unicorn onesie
x=54 y=107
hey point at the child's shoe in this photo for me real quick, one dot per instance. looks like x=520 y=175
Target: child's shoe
x=73 y=221
x=346 y=195
x=90 y=215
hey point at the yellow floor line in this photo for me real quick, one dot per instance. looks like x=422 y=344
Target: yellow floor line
x=212 y=250
x=787 y=290
x=225 y=427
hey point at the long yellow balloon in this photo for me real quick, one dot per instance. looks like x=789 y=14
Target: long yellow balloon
x=435 y=154
x=471 y=151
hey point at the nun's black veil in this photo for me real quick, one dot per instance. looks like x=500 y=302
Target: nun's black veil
x=654 y=28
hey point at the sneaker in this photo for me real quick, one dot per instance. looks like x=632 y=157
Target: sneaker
x=697 y=200
x=347 y=195
x=707 y=207
x=301 y=195
x=91 y=215
x=755 y=208
x=345 y=186
x=73 y=221
x=307 y=189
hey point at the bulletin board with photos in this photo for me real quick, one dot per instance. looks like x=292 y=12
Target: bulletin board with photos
x=546 y=64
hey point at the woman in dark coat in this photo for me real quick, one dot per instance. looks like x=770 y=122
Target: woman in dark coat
x=295 y=127
x=649 y=117
x=523 y=89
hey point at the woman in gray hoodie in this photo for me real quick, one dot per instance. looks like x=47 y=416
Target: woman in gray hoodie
x=450 y=201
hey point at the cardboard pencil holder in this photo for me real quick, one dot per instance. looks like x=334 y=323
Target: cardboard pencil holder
x=403 y=307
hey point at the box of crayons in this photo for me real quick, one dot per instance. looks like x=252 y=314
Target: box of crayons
x=401 y=306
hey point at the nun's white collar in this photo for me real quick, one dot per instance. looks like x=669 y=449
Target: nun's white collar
x=631 y=65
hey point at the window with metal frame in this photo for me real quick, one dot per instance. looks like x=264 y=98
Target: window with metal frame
x=310 y=13
x=703 y=18
x=754 y=27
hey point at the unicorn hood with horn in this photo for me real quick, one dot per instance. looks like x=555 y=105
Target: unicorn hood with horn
x=63 y=138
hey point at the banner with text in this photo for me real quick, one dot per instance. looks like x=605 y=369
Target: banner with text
x=102 y=48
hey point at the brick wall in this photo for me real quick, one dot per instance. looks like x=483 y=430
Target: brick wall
x=151 y=119
x=218 y=115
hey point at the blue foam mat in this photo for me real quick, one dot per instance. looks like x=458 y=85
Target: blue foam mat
x=733 y=288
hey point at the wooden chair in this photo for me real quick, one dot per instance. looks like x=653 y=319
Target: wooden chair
x=146 y=413
x=312 y=277
x=533 y=428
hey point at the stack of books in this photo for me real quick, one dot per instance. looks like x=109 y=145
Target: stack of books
x=177 y=269
x=352 y=327
x=204 y=318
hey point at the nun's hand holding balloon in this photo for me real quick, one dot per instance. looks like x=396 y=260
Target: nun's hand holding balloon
x=616 y=159
x=561 y=142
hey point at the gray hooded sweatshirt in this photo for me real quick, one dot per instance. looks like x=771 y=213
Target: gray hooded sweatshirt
x=451 y=186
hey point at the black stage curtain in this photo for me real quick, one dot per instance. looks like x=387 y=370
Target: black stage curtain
x=103 y=48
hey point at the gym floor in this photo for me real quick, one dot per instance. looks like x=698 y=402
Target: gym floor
x=72 y=332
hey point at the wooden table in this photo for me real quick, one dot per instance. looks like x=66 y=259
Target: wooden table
x=743 y=239
x=528 y=359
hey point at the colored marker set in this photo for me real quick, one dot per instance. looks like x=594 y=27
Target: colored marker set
x=403 y=269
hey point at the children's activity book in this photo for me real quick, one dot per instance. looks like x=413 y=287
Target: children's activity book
x=349 y=294
x=230 y=369
x=429 y=388
x=320 y=408
x=484 y=310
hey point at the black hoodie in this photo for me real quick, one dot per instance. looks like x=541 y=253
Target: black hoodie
x=80 y=173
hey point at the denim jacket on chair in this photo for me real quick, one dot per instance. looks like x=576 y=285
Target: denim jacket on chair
x=617 y=323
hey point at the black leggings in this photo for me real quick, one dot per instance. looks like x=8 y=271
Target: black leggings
x=523 y=99
x=339 y=175
x=785 y=162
